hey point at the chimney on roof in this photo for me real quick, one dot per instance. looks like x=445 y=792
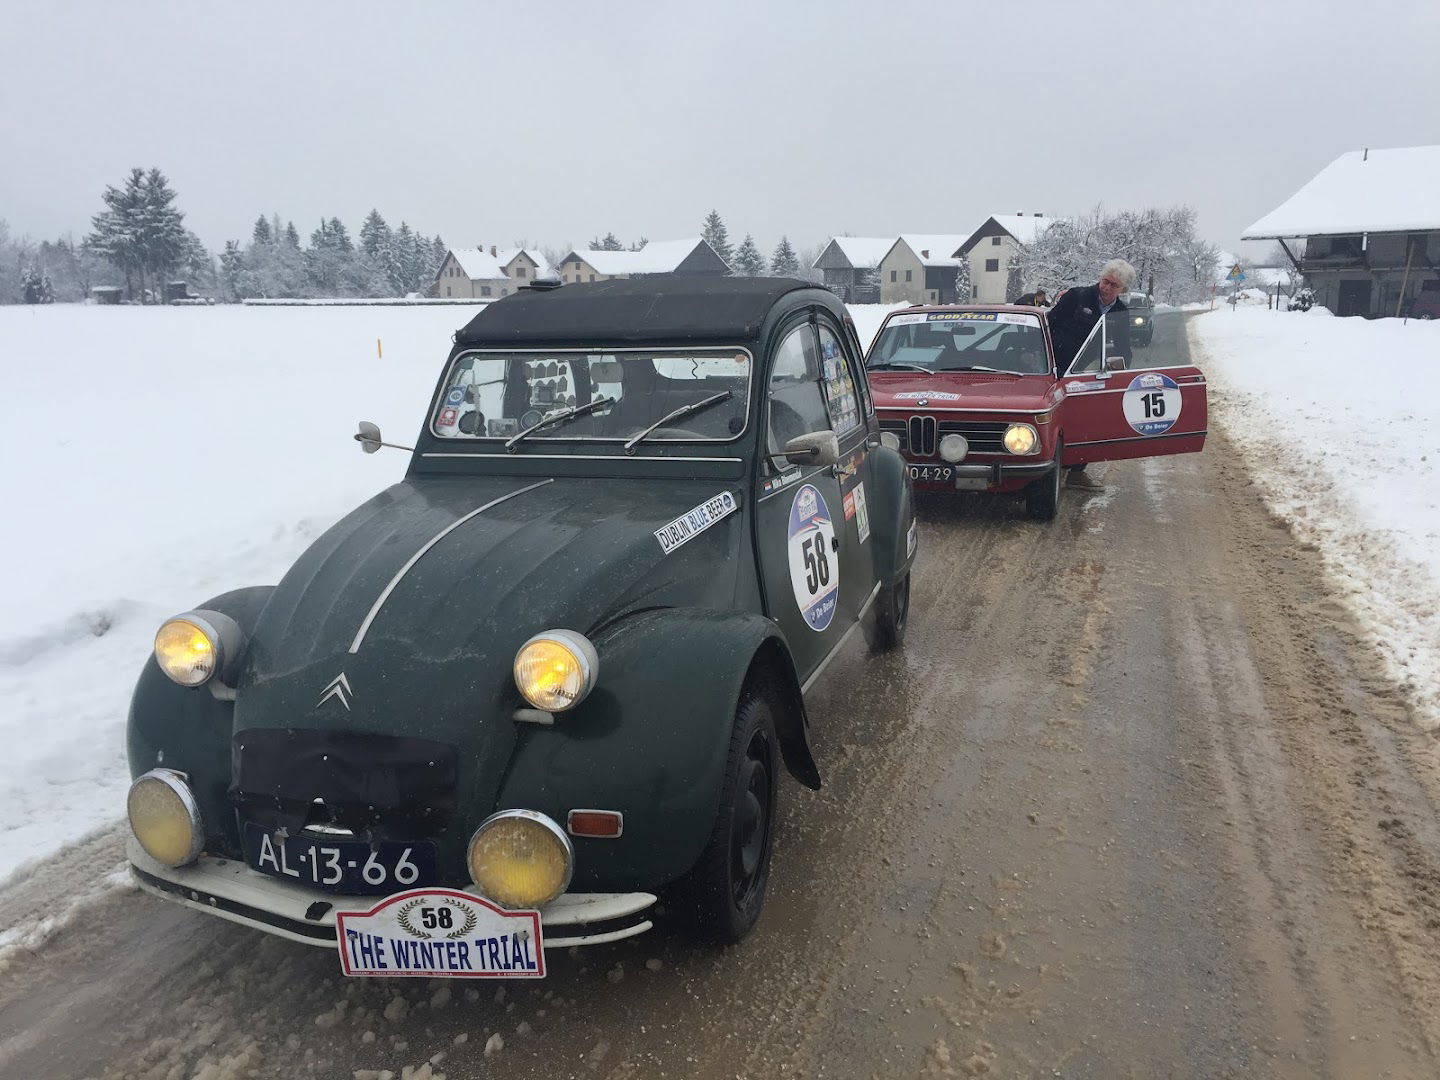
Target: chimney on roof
x=1039 y=214
x=925 y=253
x=492 y=251
x=1366 y=155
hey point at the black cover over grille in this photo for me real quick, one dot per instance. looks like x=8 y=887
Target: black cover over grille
x=380 y=786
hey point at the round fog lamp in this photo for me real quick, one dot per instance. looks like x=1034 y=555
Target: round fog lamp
x=520 y=859
x=953 y=448
x=555 y=670
x=187 y=648
x=890 y=439
x=1021 y=439
x=1139 y=321
x=165 y=817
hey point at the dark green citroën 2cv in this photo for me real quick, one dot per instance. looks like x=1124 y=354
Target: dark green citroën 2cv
x=559 y=665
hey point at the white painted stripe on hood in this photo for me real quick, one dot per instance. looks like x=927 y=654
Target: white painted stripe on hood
x=385 y=595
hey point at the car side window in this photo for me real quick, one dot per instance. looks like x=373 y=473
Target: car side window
x=839 y=383
x=796 y=406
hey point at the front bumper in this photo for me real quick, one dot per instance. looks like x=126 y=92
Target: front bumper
x=233 y=891
x=981 y=476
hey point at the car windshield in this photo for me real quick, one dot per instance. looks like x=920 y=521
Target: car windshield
x=1006 y=341
x=499 y=395
x=1137 y=300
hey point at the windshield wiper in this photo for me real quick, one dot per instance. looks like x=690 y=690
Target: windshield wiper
x=886 y=366
x=559 y=417
x=980 y=367
x=683 y=410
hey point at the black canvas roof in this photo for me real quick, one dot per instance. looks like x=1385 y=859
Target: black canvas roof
x=650 y=309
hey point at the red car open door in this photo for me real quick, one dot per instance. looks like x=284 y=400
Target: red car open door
x=1132 y=406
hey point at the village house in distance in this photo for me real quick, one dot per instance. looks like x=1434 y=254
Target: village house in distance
x=689 y=256
x=475 y=273
x=920 y=268
x=850 y=267
x=1370 y=222
x=992 y=249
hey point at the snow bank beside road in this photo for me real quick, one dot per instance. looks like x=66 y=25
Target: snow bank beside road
x=1338 y=420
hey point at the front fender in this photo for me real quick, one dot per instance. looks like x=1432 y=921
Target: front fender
x=892 y=514
x=188 y=729
x=651 y=741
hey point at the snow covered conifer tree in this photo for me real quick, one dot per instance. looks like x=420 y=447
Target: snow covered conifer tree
x=748 y=260
x=964 y=291
x=261 y=234
x=715 y=234
x=291 y=236
x=374 y=234
x=784 y=263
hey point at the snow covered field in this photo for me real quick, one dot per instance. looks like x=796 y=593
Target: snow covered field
x=156 y=457
x=1338 y=419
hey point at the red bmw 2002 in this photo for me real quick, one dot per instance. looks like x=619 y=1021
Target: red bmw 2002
x=972 y=396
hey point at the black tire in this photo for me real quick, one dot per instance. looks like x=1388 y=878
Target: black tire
x=723 y=893
x=892 y=615
x=1042 y=498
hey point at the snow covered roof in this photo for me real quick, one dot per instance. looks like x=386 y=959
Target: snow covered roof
x=941 y=247
x=478 y=265
x=1361 y=191
x=656 y=257
x=864 y=252
x=508 y=255
x=1023 y=227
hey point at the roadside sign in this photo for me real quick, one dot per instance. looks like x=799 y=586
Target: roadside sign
x=1236 y=274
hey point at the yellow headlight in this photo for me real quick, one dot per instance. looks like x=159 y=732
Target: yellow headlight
x=1139 y=321
x=165 y=818
x=186 y=652
x=555 y=670
x=520 y=859
x=1021 y=439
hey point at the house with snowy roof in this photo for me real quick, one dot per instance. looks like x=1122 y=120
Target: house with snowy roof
x=850 y=267
x=1370 y=223
x=920 y=268
x=480 y=274
x=690 y=256
x=992 y=250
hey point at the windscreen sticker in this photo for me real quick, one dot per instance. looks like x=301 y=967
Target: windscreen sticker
x=931 y=395
x=905 y=320
x=1152 y=403
x=693 y=522
x=814 y=562
x=964 y=316
x=447 y=417
x=1019 y=319
x=456 y=395
x=862 y=513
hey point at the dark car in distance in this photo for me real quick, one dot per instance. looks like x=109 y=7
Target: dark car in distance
x=558 y=669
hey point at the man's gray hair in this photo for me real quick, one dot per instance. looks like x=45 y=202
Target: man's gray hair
x=1122 y=271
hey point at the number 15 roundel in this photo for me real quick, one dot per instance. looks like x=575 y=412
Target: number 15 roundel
x=1152 y=403
x=814 y=562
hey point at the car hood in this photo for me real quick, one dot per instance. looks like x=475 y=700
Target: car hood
x=402 y=621
x=967 y=390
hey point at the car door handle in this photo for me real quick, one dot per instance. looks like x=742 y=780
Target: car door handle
x=834 y=543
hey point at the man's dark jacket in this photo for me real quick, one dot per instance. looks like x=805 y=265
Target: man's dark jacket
x=1075 y=315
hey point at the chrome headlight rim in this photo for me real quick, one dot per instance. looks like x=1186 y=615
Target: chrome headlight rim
x=890 y=439
x=1034 y=435
x=586 y=657
x=958 y=448
x=549 y=823
x=178 y=783
x=227 y=643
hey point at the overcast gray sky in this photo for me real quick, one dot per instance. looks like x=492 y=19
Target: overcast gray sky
x=552 y=122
